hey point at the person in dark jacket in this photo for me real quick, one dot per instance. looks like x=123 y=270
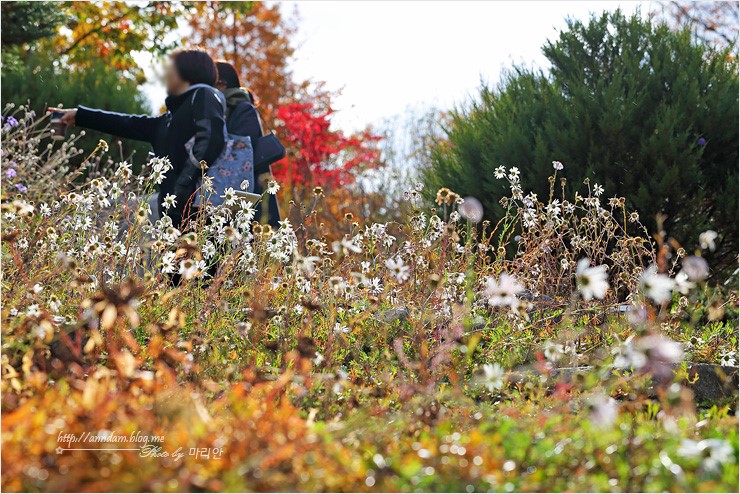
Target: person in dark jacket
x=243 y=119
x=194 y=109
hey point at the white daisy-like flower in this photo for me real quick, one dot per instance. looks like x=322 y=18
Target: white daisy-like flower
x=728 y=359
x=230 y=196
x=306 y=264
x=683 y=284
x=707 y=238
x=553 y=351
x=714 y=452
x=33 y=310
x=168 y=263
x=557 y=165
x=272 y=187
x=493 y=376
x=503 y=292
x=188 y=268
x=170 y=201
x=244 y=185
x=656 y=286
x=598 y=190
x=592 y=282
x=499 y=172
x=340 y=328
x=398 y=269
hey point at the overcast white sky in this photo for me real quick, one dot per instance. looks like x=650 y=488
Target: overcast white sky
x=387 y=56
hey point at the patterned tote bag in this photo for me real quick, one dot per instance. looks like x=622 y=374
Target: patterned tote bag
x=234 y=165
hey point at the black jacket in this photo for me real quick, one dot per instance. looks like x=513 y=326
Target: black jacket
x=199 y=115
x=243 y=120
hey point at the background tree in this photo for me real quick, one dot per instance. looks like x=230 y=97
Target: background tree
x=710 y=22
x=257 y=39
x=89 y=63
x=639 y=108
x=114 y=31
x=25 y=22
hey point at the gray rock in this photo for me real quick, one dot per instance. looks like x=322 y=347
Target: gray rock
x=711 y=383
x=396 y=314
x=715 y=383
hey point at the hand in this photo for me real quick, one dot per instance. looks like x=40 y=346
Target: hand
x=69 y=116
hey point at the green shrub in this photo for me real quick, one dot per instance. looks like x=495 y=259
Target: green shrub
x=635 y=107
x=43 y=81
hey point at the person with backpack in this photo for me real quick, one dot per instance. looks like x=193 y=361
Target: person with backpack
x=195 y=113
x=243 y=119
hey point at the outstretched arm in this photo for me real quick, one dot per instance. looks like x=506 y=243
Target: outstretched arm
x=138 y=127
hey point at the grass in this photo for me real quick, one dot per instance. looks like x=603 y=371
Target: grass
x=348 y=356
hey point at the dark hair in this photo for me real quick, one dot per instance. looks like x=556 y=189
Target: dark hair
x=195 y=66
x=227 y=74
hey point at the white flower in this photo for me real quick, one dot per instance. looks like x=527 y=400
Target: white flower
x=347 y=246
x=591 y=281
x=657 y=287
x=499 y=172
x=714 y=452
x=604 y=411
x=306 y=264
x=340 y=328
x=554 y=351
x=493 y=376
x=696 y=268
x=503 y=292
x=375 y=286
x=229 y=196
x=557 y=165
x=33 y=310
x=272 y=187
x=553 y=208
x=683 y=285
x=244 y=185
x=706 y=240
x=626 y=356
x=728 y=359
x=37 y=288
x=170 y=200
x=471 y=209
x=659 y=349
x=188 y=268
x=598 y=190
x=168 y=263
x=398 y=269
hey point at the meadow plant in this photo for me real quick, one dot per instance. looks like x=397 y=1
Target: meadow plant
x=418 y=355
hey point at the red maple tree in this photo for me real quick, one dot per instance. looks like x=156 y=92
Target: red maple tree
x=318 y=155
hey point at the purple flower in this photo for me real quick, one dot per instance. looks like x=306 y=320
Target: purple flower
x=10 y=122
x=701 y=141
x=21 y=188
x=10 y=173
